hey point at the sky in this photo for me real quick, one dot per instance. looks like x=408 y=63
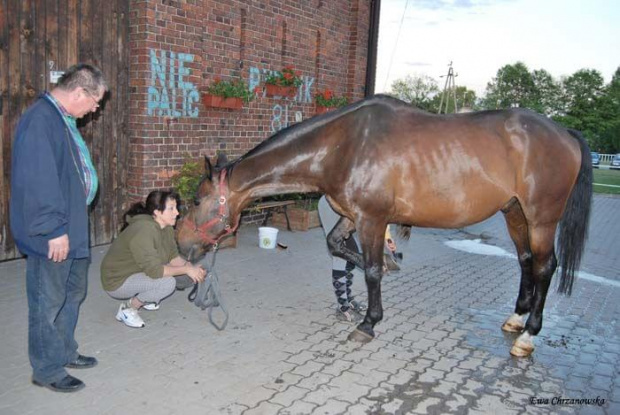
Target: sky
x=481 y=36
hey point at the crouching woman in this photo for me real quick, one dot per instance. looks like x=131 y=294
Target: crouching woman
x=143 y=266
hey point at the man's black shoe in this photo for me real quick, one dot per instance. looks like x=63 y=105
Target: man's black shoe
x=66 y=384
x=82 y=362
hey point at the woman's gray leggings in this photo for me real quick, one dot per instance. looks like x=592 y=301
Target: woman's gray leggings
x=144 y=288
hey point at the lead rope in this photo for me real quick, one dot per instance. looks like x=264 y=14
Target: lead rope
x=211 y=289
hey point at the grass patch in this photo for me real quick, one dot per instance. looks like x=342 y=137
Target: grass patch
x=603 y=176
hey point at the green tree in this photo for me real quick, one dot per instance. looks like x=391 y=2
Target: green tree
x=583 y=98
x=465 y=98
x=418 y=90
x=513 y=86
x=609 y=138
x=547 y=93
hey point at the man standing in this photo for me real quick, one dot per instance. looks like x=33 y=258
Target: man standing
x=53 y=181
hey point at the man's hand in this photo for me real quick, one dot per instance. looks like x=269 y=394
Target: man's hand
x=58 y=248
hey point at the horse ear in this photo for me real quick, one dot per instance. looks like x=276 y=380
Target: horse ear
x=222 y=160
x=208 y=169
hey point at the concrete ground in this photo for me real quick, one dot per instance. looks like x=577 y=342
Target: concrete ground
x=438 y=350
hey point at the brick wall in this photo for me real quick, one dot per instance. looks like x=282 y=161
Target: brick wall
x=179 y=47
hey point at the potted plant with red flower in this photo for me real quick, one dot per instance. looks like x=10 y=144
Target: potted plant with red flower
x=227 y=94
x=326 y=101
x=284 y=83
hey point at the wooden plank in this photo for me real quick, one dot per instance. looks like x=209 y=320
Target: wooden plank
x=98 y=121
x=96 y=128
x=27 y=90
x=5 y=135
x=110 y=134
x=85 y=49
x=81 y=51
x=27 y=66
x=85 y=54
x=12 y=107
x=121 y=113
x=51 y=37
x=63 y=36
x=85 y=31
x=40 y=53
x=72 y=31
x=97 y=32
x=271 y=205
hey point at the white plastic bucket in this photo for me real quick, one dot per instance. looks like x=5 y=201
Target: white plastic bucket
x=267 y=237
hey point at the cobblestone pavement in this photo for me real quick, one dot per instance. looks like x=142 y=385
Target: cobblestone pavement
x=439 y=349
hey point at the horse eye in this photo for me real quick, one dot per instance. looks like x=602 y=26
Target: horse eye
x=196 y=201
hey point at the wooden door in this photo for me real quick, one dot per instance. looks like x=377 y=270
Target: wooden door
x=40 y=36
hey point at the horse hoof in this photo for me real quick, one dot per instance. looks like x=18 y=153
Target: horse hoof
x=359 y=336
x=514 y=324
x=512 y=328
x=522 y=348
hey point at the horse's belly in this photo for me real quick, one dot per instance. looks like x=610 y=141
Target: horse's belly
x=452 y=210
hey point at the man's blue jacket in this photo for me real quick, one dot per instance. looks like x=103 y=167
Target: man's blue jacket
x=47 y=192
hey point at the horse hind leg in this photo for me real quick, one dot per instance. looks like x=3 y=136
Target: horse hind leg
x=518 y=230
x=544 y=264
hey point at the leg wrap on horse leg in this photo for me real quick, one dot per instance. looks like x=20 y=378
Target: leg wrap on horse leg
x=339 y=281
x=353 y=304
x=349 y=283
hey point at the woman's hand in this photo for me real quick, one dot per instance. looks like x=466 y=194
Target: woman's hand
x=391 y=245
x=196 y=273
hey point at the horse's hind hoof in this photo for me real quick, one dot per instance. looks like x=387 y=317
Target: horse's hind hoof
x=512 y=328
x=520 y=351
x=514 y=324
x=360 y=336
x=523 y=346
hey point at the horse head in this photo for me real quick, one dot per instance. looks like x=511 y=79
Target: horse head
x=210 y=219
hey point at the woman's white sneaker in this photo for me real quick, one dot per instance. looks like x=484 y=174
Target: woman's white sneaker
x=129 y=316
x=151 y=306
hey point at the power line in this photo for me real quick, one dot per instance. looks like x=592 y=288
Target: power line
x=402 y=19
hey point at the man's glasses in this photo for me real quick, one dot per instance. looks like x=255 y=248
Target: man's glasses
x=95 y=102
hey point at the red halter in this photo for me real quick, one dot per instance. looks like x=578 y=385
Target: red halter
x=220 y=218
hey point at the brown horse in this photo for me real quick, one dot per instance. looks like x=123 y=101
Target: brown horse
x=382 y=161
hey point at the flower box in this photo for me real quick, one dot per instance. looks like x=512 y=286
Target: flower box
x=326 y=101
x=215 y=101
x=323 y=110
x=272 y=90
x=300 y=219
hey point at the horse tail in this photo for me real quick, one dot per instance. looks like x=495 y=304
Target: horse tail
x=574 y=223
x=403 y=232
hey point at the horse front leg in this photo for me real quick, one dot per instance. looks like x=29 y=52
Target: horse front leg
x=337 y=242
x=372 y=247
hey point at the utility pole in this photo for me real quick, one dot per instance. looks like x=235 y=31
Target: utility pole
x=448 y=89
